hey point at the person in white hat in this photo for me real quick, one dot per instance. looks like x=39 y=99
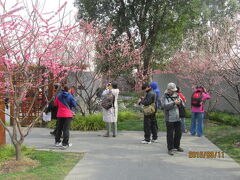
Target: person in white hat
x=170 y=101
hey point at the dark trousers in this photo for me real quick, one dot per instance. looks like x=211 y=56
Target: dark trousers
x=63 y=126
x=150 y=127
x=56 y=125
x=174 y=134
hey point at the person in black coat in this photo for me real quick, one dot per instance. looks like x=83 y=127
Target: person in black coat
x=150 y=122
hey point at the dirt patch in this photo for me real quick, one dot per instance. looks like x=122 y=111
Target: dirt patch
x=17 y=166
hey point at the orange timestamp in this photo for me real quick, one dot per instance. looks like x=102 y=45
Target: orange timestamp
x=205 y=154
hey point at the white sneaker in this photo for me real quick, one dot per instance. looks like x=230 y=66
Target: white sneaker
x=58 y=144
x=154 y=141
x=145 y=142
x=67 y=146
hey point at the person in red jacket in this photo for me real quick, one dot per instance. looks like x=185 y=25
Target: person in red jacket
x=65 y=102
x=182 y=112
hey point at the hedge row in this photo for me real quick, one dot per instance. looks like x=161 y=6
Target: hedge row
x=228 y=119
x=94 y=122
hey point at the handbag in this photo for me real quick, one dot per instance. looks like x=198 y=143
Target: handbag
x=150 y=109
x=47 y=116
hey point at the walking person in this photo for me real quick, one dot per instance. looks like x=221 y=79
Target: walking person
x=150 y=122
x=170 y=102
x=182 y=111
x=198 y=98
x=110 y=108
x=65 y=102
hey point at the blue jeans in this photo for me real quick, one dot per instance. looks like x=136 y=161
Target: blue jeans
x=197 y=117
x=183 y=126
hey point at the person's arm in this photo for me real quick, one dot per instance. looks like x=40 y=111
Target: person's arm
x=168 y=105
x=182 y=97
x=206 y=96
x=74 y=103
x=56 y=102
x=149 y=99
x=105 y=92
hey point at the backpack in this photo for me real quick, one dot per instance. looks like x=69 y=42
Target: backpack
x=196 y=99
x=108 y=100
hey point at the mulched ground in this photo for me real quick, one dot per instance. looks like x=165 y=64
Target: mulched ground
x=17 y=166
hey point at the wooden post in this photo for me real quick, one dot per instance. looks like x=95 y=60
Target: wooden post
x=2 y=106
x=2 y=130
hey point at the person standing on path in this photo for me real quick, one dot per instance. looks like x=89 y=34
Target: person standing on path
x=65 y=102
x=199 y=96
x=154 y=86
x=53 y=109
x=182 y=111
x=150 y=122
x=110 y=115
x=170 y=102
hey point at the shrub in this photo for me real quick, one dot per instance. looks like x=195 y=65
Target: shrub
x=127 y=93
x=51 y=124
x=160 y=114
x=94 y=122
x=188 y=113
x=127 y=115
x=91 y=122
x=228 y=119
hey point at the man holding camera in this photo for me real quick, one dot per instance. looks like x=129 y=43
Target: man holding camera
x=170 y=102
x=150 y=122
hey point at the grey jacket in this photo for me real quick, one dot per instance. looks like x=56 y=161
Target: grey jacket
x=171 y=111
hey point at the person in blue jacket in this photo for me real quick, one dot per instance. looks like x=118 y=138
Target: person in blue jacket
x=154 y=86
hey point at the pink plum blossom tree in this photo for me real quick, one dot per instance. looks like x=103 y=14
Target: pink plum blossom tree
x=33 y=55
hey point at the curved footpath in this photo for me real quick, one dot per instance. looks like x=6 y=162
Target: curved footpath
x=125 y=158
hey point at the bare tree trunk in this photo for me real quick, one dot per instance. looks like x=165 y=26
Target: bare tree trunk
x=18 y=151
x=146 y=61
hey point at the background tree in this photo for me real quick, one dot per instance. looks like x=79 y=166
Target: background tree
x=159 y=25
x=212 y=60
x=118 y=58
x=225 y=46
x=101 y=61
x=196 y=70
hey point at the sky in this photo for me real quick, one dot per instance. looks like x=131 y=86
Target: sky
x=46 y=6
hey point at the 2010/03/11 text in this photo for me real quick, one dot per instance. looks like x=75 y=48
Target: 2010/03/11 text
x=205 y=154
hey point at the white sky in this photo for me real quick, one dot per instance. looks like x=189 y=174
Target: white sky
x=46 y=6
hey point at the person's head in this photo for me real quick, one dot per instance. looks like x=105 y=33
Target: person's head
x=178 y=89
x=154 y=85
x=56 y=86
x=109 y=85
x=199 y=88
x=146 y=87
x=171 y=88
x=65 y=88
x=114 y=85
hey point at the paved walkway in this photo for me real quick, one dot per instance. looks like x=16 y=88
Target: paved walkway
x=124 y=158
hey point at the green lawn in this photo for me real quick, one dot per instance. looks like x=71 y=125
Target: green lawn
x=52 y=166
x=227 y=138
